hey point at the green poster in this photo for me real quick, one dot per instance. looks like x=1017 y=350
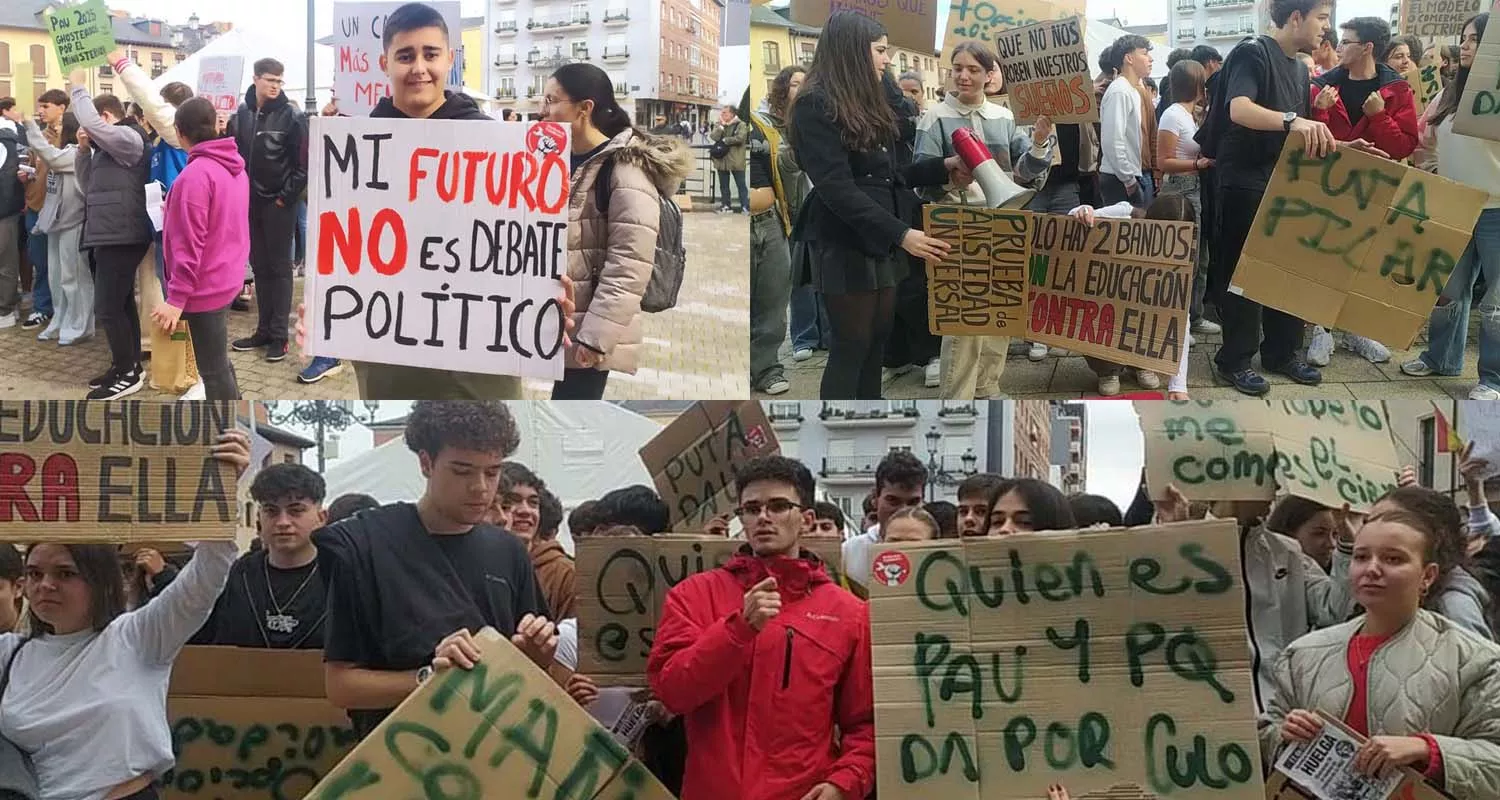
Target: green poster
x=83 y=35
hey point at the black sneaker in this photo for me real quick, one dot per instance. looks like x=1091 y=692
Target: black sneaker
x=275 y=351
x=1300 y=371
x=1245 y=381
x=240 y=304
x=36 y=320
x=254 y=342
x=108 y=376
x=123 y=386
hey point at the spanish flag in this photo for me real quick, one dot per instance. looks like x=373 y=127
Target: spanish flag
x=1448 y=440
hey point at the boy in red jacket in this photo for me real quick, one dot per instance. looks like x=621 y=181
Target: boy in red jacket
x=768 y=660
x=1362 y=98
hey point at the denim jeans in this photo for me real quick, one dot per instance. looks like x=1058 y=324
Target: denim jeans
x=739 y=184
x=1112 y=190
x=1448 y=327
x=161 y=265
x=1055 y=198
x=299 y=235
x=770 y=291
x=1188 y=184
x=210 y=332
x=36 y=250
x=809 y=320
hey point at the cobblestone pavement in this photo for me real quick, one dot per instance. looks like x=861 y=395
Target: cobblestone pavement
x=698 y=350
x=1063 y=375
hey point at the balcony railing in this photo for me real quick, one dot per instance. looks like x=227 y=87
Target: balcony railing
x=834 y=414
x=1186 y=34
x=1227 y=3
x=621 y=89
x=506 y=61
x=503 y=28
x=106 y=72
x=851 y=465
x=1227 y=33
x=506 y=94
x=773 y=67
x=581 y=19
x=617 y=15
x=581 y=53
x=954 y=411
x=613 y=53
x=1186 y=5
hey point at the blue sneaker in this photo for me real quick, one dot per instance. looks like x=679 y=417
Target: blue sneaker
x=1246 y=381
x=1300 y=371
x=319 y=369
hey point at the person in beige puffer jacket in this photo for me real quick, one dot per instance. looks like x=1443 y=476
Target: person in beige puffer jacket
x=1424 y=690
x=610 y=259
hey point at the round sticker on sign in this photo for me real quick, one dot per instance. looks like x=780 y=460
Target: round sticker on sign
x=545 y=138
x=891 y=568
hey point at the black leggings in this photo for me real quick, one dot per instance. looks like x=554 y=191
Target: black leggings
x=861 y=324
x=580 y=384
x=211 y=350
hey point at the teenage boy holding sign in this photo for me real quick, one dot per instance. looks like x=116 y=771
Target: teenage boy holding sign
x=417 y=59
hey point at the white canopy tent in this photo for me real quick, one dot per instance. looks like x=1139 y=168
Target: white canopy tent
x=1099 y=35
x=582 y=451
x=252 y=46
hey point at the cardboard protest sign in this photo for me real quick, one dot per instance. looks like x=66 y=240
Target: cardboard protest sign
x=502 y=729
x=984 y=20
x=438 y=243
x=1356 y=242
x=248 y=724
x=622 y=585
x=909 y=24
x=111 y=471
x=1330 y=451
x=692 y=460
x=1098 y=660
x=1280 y=787
x=358 y=81
x=1479 y=107
x=979 y=288
x=1323 y=770
x=83 y=35
x=1437 y=19
x=1046 y=69
x=1119 y=290
x=219 y=82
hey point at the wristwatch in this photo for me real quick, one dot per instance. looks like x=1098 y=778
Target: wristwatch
x=1287 y=119
x=423 y=674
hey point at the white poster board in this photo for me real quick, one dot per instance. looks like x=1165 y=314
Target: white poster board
x=438 y=243
x=219 y=82
x=358 y=82
x=1480 y=424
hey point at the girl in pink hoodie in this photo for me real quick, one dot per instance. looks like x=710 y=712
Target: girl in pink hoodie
x=206 y=238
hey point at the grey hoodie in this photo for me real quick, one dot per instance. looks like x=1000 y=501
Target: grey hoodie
x=63 y=208
x=1464 y=600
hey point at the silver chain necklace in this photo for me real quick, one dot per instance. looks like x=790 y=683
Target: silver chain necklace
x=276 y=617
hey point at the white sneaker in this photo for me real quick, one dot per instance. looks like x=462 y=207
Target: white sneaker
x=8 y=320
x=197 y=392
x=1205 y=326
x=1147 y=379
x=1037 y=352
x=778 y=386
x=802 y=355
x=1482 y=392
x=1320 y=349
x=1373 y=351
x=1417 y=368
x=934 y=374
x=1110 y=386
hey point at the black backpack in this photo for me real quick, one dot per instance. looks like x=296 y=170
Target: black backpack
x=1216 y=122
x=670 y=262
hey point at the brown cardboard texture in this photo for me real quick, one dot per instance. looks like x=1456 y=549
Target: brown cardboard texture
x=503 y=729
x=829 y=550
x=1093 y=659
x=1479 y=108
x=1047 y=71
x=984 y=21
x=979 y=289
x=1119 y=290
x=1330 y=451
x=248 y=724
x=692 y=460
x=622 y=583
x=909 y=24
x=1356 y=242
x=1440 y=19
x=80 y=471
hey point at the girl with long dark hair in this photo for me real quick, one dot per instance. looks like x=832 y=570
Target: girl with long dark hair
x=843 y=131
x=612 y=228
x=1476 y=162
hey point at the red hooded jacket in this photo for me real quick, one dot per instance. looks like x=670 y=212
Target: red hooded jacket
x=769 y=714
x=1393 y=130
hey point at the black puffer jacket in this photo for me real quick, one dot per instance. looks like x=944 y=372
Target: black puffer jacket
x=273 y=141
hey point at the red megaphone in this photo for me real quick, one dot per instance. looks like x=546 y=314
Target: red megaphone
x=999 y=190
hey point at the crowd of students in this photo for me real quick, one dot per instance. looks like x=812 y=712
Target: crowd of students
x=100 y=238
x=760 y=669
x=856 y=156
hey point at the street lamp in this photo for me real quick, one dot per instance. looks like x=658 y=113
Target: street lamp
x=309 y=101
x=936 y=474
x=322 y=416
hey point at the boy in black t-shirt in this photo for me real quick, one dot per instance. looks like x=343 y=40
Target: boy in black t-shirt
x=410 y=585
x=1262 y=113
x=274 y=597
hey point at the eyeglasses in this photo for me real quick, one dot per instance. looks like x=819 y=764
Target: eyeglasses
x=777 y=507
